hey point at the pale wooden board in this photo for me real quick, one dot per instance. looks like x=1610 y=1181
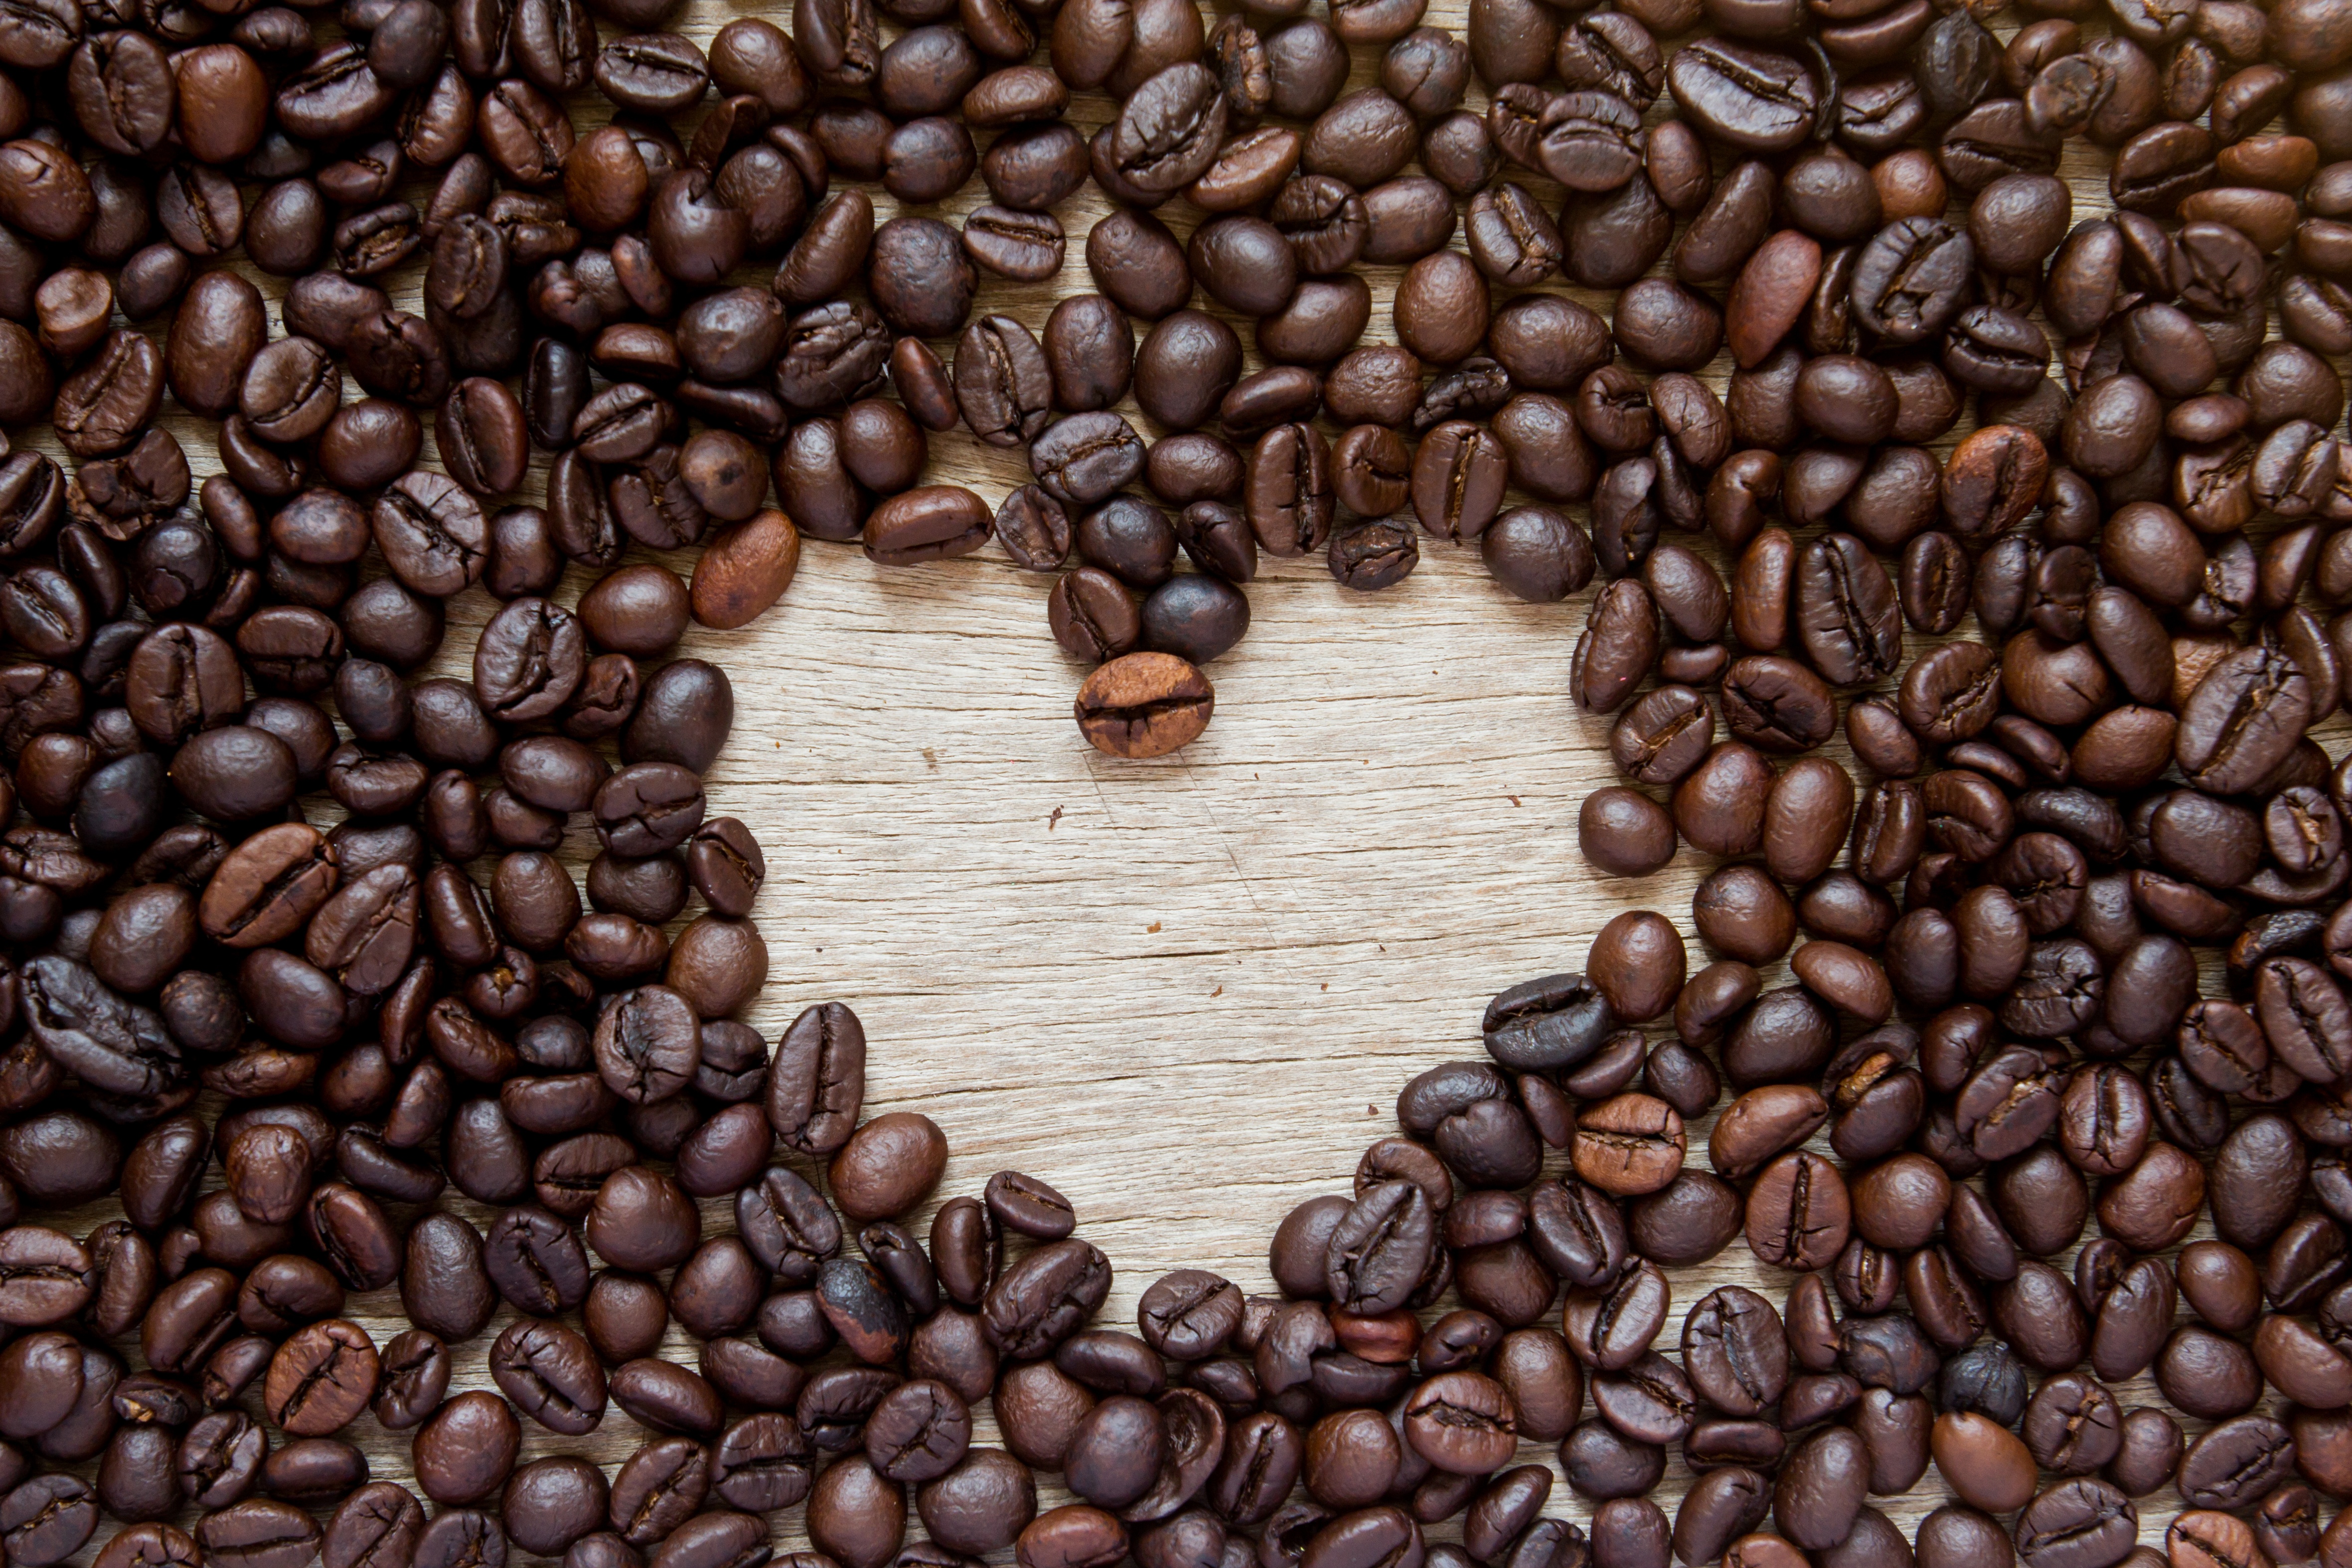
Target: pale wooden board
x=1186 y=992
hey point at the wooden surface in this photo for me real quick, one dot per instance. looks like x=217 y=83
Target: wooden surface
x=1185 y=991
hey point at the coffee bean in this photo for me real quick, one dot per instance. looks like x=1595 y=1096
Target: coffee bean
x=1743 y=96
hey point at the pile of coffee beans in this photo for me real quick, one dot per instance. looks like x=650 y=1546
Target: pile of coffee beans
x=1397 y=1376
x=1928 y=1320
x=277 y=1047
x=291 y=1048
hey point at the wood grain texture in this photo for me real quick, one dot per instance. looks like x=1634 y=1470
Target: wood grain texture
x=1185 y=991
